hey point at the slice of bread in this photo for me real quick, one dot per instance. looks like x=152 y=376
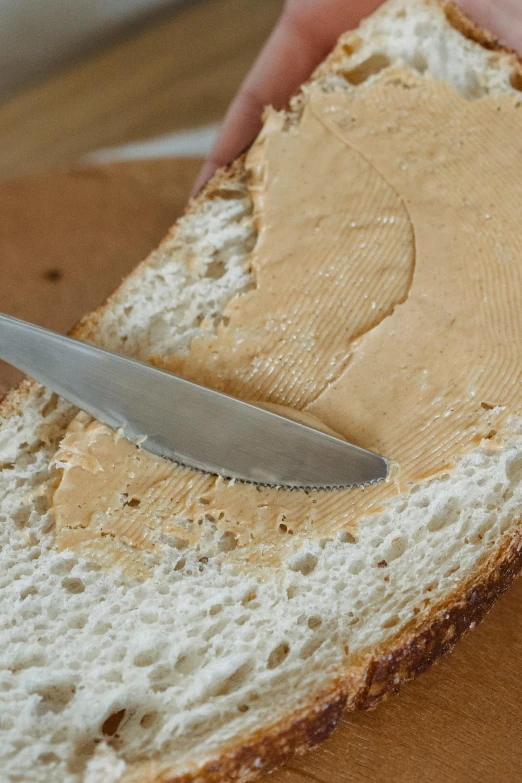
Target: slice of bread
x=203 y=671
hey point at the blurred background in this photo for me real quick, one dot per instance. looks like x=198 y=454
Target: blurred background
x=80 y=77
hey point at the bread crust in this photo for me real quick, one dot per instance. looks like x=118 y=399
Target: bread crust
x=458 y=19
x=377 y=674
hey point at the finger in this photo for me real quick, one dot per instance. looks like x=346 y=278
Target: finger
x=304 y=35
x=501 y=17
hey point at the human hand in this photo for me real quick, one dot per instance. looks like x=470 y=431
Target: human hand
x=305 y=33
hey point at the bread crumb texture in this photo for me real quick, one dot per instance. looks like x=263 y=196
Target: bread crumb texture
x=105 y=678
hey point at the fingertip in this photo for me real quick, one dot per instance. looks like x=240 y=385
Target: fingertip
x=206 y=171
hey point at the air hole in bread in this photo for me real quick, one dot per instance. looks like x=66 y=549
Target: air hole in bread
x=7 y=723
x=77 y=621
x=149 y=615
x=161 y=677
x=48 y=758
x=398 y=547
x=452 y=570
x=516 y=80
x=111 y=724
x=41 y=505
x=30 y=659
x=514 y=470
x=176 y=542
x=73 y=585
x=352 y=45
x=215 y=270
x=59 y=736
x=54 y=697
x=227 y=542
x=474 y=88
x=447 y=516
x=347 y=538
x=62 y=565
x=314 y=622
x=214 y=630
x=21 y=516
x=391 y=622
x=370 y=67
x=305 y=563
x=84 y=751
x=118 y=655
x=216 y=609
x=148 y=720
x=233 y=682
x=278 y=655
x=147 y=657
x=27 y=591
x=187 y=664
x=249 y=597
x=419 y=62
x=356 y=567
x=310 y=647
x=243 y=708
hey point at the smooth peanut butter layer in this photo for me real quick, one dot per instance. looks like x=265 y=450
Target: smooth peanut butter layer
x=387 y=304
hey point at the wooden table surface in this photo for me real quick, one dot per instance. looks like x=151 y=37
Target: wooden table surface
x=65 y=242
x=174 y=71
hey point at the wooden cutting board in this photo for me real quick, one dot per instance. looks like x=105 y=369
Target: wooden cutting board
x=66 y=240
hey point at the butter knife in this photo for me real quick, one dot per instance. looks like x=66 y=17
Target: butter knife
x=184 y=421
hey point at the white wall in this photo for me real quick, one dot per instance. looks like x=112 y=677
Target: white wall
x=36 y=34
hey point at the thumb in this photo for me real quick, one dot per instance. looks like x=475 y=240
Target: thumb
x=306 y=31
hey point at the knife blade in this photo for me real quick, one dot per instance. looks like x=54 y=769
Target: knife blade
x=184 y=421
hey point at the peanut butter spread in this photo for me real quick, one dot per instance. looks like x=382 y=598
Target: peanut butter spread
x=387 y=304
